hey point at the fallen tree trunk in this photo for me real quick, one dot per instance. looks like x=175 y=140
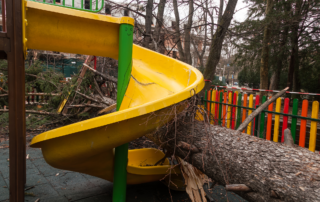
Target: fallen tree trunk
x=272 y=171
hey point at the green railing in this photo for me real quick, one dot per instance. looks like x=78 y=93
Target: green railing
x=93 y=5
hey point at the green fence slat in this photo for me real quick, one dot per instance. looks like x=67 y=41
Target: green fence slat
x=262 y=118
x=220 y=108
x=239 y=111
x=256 y=124
x=294 y=120
x=210 y=98
x=205 y=100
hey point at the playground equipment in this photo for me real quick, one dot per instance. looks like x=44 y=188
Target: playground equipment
x=149 y=83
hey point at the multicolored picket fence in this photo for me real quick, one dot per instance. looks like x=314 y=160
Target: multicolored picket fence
x=34 y=97
x=229 y=109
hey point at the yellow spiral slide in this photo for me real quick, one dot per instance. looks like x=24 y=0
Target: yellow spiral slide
x=156 y=83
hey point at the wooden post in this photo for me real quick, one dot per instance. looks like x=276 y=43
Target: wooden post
x=3 y=4
x=16 y=78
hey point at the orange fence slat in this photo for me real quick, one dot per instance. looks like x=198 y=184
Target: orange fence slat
x=217 y=108
x=303 y=124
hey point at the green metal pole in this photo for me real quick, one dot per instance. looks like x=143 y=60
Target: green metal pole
x=124 y=74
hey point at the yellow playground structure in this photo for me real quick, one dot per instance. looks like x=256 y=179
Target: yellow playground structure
x=148 y=84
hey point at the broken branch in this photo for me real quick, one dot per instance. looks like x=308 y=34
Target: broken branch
x=259 y=109
x=109 y=78
x=32 y=112
x=237 y=187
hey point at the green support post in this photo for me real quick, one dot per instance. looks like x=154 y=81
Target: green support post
x=294 y=119
x=262 y=117
x=239 y=110
x=220 y=108
x=124 y=74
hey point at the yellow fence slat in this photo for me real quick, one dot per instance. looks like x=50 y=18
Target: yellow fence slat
x=277 y=121
x=249 y=112
x=229 y=110
x=213 y=98
x=313 y=128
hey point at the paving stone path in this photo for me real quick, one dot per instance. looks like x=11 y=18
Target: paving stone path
x=53 y=185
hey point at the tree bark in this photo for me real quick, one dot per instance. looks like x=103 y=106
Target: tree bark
x=148 y=23
x=272 y=171
x=217 y=40
x=106 y=77
x=264 y=68
x=294 y=58
x=159 y=24
x=220 y=11
x=187 y=34
x=177 y=31
x=196 y=44
x=275 y=79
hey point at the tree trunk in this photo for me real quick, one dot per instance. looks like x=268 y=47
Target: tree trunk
x=275 y=79
x=187 y=34
x=293 y=57
x=294 y=60
x=158 y=28
x=217 y=40
x=220 y=11
x=177 y=31
x=264 y=68
x=296 y=85
x=196 y=44
x=272 y=171
x=148 y=23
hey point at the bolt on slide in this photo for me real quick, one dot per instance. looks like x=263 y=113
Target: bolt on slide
x=149 y=83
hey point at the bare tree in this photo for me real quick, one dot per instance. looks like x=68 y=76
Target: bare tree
x=184 y=53
x=217 y=40
x=159 y=24
x=148 y=23
x=264 y=68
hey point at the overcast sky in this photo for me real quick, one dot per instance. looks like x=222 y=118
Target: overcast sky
x=241 y=11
